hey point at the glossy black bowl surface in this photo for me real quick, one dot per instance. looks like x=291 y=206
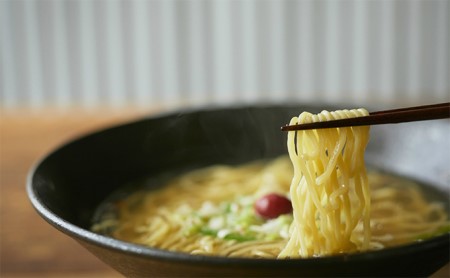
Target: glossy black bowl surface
x=67 y=186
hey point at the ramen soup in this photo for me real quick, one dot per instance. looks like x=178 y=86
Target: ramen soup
x=319 y=200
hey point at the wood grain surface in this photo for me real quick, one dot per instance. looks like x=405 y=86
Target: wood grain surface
x=30 y=247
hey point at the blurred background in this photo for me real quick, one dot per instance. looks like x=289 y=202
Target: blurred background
x=94 y=63
x=146 y=54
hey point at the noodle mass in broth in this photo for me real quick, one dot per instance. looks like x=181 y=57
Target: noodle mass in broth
x=245 y=211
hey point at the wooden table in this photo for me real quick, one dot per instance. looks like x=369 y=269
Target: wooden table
x=29 y=247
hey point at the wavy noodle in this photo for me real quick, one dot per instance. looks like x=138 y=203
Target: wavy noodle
x=329 y=187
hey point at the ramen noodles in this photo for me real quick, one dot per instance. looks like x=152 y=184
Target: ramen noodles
x=329 y=190
x=318 y=201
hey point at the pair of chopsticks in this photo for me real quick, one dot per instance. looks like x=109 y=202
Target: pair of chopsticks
x=401 y=115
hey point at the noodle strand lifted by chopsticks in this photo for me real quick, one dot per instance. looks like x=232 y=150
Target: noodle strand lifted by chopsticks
x=329 y=191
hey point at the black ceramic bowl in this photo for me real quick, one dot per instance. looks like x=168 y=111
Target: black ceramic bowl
x=67 y=186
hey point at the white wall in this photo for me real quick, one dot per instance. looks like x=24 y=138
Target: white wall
x=171 y=53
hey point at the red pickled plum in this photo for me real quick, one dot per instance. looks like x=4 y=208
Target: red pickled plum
x=273 y=205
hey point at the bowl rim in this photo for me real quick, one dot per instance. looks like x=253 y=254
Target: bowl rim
x=142 y=251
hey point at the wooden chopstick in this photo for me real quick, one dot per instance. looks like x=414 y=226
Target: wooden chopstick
x=401 y=115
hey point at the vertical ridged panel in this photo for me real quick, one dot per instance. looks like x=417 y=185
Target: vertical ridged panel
x=169 y=53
